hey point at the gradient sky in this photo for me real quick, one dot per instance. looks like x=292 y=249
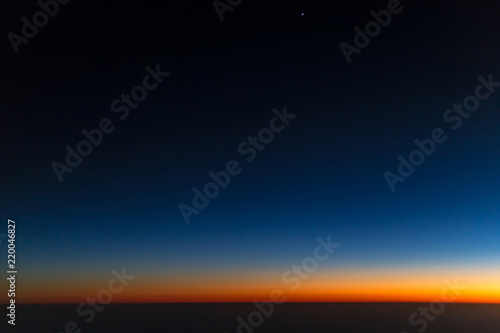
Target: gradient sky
x=323 y=175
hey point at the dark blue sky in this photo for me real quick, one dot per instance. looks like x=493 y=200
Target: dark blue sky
x=322 y=175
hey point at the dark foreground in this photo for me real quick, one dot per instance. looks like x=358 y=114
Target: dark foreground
x=292 y=317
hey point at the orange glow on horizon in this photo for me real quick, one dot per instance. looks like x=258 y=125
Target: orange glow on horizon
x=339 y=286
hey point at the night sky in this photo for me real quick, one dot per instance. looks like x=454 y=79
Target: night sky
x=321 y=175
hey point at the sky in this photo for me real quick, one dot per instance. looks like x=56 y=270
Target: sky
x=321 y=176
